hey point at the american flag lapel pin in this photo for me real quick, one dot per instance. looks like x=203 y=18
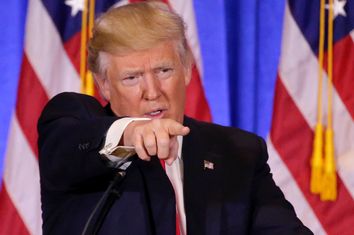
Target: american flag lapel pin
x=208 y=165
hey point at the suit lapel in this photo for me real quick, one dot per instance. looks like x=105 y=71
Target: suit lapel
x=202 y=184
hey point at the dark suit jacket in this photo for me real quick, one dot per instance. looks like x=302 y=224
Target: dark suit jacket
x=238 y=196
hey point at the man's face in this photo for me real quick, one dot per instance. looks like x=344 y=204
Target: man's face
x=150 y=83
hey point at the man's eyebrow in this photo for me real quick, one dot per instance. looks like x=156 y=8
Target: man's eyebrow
x=129 y=72
x=164 y=64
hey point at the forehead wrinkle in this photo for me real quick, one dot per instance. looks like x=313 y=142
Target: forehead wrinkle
x=151 y=64
x=141 y=62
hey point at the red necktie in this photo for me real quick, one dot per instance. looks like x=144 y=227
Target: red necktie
x=177 y=217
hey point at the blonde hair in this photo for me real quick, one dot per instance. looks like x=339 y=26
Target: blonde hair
x=136 y=27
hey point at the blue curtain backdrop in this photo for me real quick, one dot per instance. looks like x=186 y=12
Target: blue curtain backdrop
x=253 y=46
x=240 y=43
x=12 y=18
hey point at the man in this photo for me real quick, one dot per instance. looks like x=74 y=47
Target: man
x=216 y=179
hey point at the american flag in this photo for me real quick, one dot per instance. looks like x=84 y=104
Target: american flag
x=294 y=116
x=51 y=61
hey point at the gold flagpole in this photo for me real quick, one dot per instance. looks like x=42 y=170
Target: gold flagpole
x=317 y=156
x=329 y=191
x=83 y=48
x=90 y=87
x=88 y=17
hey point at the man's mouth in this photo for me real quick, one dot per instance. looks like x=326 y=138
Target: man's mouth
x=155 y=114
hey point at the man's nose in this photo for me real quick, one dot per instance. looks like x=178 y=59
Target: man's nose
x=152 y=87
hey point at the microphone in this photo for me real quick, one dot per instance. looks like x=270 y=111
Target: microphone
x=105 y=203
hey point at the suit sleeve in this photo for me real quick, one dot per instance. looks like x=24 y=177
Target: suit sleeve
x=272 y=213
x=71 y=131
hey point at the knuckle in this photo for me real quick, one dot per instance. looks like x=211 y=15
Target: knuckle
x=149 y=142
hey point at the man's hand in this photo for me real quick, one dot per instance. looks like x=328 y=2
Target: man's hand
x=155 y=137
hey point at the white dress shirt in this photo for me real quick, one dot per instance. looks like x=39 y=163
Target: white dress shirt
x=119 y=156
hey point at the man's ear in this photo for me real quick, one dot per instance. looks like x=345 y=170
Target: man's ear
x=187 y=78
x=188 y=67
x=103 y=85
x=188 y=74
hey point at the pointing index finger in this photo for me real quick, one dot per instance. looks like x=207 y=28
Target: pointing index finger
x=176 y=128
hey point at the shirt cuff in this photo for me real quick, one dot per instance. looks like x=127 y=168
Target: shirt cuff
x=111 y=150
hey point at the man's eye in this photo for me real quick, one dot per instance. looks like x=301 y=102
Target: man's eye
x=130 y=80
x=164 y=72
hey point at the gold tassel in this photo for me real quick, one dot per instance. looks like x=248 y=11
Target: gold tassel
x=90 y=87
x=317 y=161
x=329 y=190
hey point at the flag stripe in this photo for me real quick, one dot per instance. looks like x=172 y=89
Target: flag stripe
x=196 y=104
x=31 y=99
x=10 y=219
x=295 y=146
x=298 y=71
x=21 y=177
x=186 y=10
x=72 y=48
x=293 y=193
x=343 y=64
x=60 y=77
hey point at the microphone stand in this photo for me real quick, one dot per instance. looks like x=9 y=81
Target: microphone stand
x=105 y=203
